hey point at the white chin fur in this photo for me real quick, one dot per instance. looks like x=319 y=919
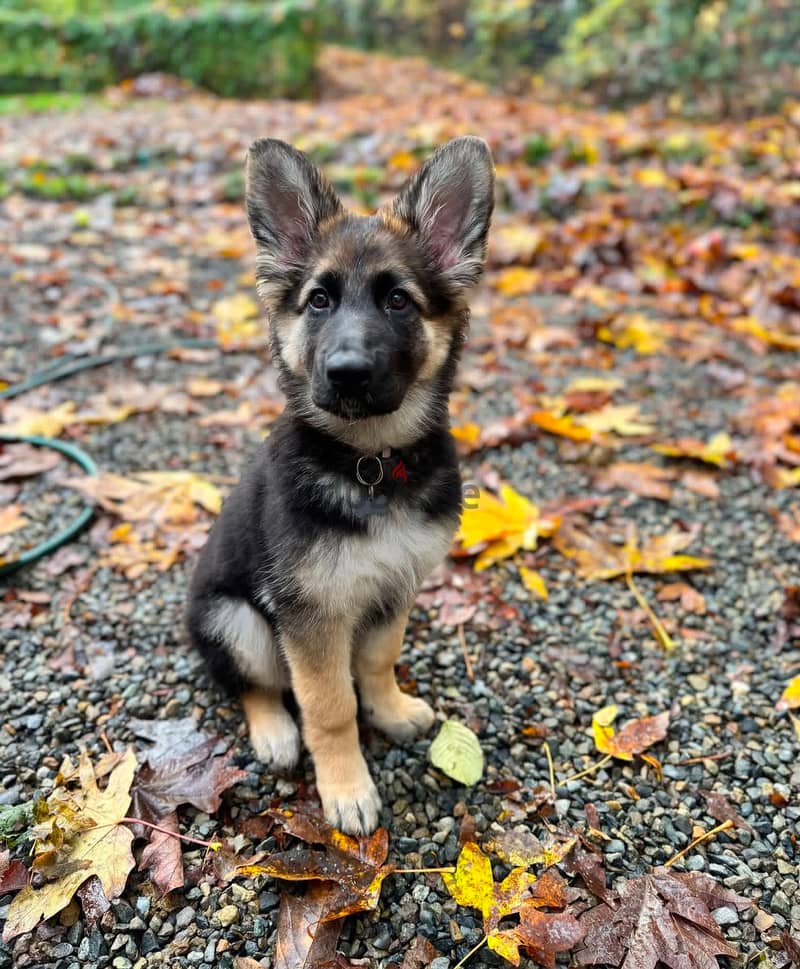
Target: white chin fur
x=399 y=429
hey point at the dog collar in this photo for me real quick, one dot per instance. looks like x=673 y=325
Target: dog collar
x=369 y=470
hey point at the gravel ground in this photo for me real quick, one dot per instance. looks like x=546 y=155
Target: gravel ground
x=121 y=651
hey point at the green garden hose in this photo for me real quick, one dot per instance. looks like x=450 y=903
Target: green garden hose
x=67 y=533
x=59 y=371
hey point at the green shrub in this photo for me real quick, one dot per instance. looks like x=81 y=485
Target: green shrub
x=236 y=50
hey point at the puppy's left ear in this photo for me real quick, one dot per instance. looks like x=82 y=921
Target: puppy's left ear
x=448 y=205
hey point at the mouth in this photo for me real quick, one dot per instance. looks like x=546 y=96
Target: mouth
x=355 y=408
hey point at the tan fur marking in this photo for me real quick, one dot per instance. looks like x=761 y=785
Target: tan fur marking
x=273 y=733
x=393 y=222
x=438 y=337
x=323 y=685
x=395 y=713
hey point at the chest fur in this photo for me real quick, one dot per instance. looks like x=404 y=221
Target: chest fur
x=349 y=575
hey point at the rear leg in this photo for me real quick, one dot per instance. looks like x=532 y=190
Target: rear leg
x=242 y=655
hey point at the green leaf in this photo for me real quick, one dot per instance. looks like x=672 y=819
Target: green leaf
x=457 y=752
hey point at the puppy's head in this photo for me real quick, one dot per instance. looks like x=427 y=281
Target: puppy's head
x=368 y=314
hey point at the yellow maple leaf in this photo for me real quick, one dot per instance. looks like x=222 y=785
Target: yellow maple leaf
x=654 y=178
x=237 y=319
x=562 y=426
x=468 y=433
x=779 y=339
x=517 y=281
x=533 y=580
x=503 y=525
x=634 y=330
x=790 y=698
x=100 y=846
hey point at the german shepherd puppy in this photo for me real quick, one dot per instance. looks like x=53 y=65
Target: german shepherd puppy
x=311 y=568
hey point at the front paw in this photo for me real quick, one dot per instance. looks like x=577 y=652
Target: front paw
x=351 y=806
x=404 y=718
x=276 y=742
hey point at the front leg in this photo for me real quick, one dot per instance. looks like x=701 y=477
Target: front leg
x=393 y=712
x=323 y=685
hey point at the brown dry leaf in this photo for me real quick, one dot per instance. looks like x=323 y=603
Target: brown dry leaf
x=690 y=599
x=12 y=519
x=599 y=558
x=720 y=808
x=305 y=939
x=25 y=461
x=543 y=935
x=420 y=955
x=641 y=478
x=13 y=874
x=660 y=918
x=165 y=496
x=635 y=737
x=701 y=483
x=789 y=523
x=354 y=867
x=96 y=843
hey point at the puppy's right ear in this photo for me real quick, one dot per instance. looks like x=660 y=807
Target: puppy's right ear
x=287 y=199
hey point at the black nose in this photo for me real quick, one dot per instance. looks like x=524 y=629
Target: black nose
x=349 y=371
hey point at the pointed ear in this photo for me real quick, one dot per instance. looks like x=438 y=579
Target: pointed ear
x=448 y=205
x=287 y=199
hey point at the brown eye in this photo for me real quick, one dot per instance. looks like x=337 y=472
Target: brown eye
x=398 y=299
x=319 y=300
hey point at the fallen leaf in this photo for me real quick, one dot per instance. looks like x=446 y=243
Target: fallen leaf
x=635 y=737
x=662 y=917
x=561 y=425
x=12 y=519
x=501 y=526
x=641 y=478
x=305 y=940
x=517 y=281
x=13 y=874
x=237 y=322
x=720 y=808
x=790 y=698
x=690 y=599
x=718 y=451
x=533 y=580
x=420 y=955
x=622 y=419
x=25 y=461
x=523 y=849
x=102 y=848
x=598 y=558
x=634 y=330
x=456 y=751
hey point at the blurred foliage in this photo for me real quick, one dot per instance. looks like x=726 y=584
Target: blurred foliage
x=725 y=54
x=719 y=55
x=638 y=48
x=240 y=50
